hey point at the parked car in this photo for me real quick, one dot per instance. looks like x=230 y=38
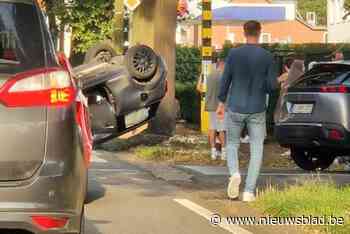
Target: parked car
x=313 y=118
x=124 y=92
x=44 y=130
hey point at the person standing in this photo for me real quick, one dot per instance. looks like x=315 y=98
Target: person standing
x=216 y=126
x=249 y=75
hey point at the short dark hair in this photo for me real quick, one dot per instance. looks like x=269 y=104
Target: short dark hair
x=252 y=28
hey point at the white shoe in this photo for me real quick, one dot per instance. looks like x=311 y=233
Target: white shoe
x=347 y=167
x=214 y=155
x=223 y=155
x=248 y=197
x=233 y=187
x=245 y=140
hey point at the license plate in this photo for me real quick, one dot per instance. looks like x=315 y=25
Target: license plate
x=136 y=117
x=302 y=108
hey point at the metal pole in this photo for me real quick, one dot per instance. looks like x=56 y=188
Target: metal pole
x=207 y=53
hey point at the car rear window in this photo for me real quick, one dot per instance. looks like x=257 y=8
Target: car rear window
x=324 y=74
x=21 y=43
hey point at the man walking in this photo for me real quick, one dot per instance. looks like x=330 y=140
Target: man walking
x=249 y=75
x=216 y=126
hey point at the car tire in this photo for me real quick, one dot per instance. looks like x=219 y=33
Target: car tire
x=101 y=52
x=142 y=62
x=312 y=160
x=82 y=221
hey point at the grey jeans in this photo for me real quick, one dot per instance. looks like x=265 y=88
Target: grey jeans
x=256 y=124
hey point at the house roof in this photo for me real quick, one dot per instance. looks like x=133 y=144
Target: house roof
x=244 y=13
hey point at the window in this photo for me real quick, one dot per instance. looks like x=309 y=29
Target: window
x=325 y=37
x=311 y=18
x=265 y=38
x=183 y=35
x=324 y=74
x=21 y=40
x=231 y=37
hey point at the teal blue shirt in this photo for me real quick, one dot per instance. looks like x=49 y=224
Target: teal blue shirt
x=250 y=74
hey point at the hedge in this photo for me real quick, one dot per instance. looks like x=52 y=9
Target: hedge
x=300 y=50
x=188 y=64
x=189 y=100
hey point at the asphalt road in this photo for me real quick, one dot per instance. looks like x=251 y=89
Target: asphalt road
x=125 y=199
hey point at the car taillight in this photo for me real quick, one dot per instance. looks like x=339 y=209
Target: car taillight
x=9 y=54
x=41 y=87
x=334 y=89
x=334 y=134
x=82 y=119
x=46 y=222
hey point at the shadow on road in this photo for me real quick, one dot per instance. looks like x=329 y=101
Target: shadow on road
x=90 y=228
x=95 y=191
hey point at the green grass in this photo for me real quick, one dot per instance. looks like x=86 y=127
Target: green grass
x=312 y=198
x=154 y=153
x=175 y=155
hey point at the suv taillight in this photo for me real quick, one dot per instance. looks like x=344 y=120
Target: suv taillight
x=41 y=87
x=334 y=89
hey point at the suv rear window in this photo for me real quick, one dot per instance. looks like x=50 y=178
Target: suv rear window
x=21 y=42
x=324 y=74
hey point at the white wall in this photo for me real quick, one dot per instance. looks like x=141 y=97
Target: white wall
x=338 y=28
x=339 y=32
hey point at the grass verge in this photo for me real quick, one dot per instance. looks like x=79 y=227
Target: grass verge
x=314 y=199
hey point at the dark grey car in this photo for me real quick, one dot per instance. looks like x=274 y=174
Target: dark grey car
x=314 y=116
x=123 y=93
x=45 y=140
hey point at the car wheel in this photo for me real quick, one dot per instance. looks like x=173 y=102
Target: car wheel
x=102 y=52
x=82 y=222
x=311 y=160
x=142 y=62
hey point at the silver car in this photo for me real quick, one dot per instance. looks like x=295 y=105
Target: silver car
x=44 y=130
x=313 y=118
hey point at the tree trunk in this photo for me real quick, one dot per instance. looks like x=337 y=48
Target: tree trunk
x=118 y=34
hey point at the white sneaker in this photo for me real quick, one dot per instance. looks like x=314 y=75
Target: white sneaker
x=245 y=140
x=214 y=155
x=224 y=155
x=347 y=167
x=233 y=187
x=248 y=197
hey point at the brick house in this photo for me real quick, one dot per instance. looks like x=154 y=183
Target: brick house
x=279 y=18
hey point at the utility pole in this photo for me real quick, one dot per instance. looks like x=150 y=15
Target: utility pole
x=207 y=54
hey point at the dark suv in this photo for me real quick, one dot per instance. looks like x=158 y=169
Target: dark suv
x=45 y=138
x=313 y=119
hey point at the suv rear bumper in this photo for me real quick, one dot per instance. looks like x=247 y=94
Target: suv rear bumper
x=24 y=223
x=311 y=135
x=52 y=196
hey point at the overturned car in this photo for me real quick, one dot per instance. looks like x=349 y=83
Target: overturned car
x=124 y=92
